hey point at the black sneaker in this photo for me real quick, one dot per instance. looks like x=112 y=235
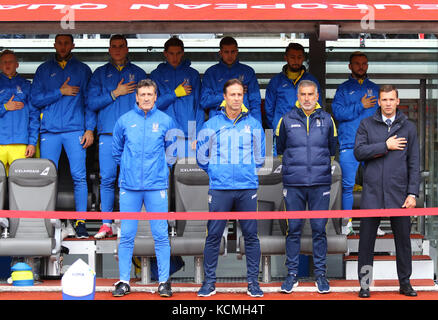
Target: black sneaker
x=164 y=289
x=81 y=230
x=122 y=288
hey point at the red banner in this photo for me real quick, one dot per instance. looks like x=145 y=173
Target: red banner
x=220 y=215
x=202 y=10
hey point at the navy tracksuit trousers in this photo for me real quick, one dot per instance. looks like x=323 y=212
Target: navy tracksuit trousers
x=316 y=198
x=232 y=200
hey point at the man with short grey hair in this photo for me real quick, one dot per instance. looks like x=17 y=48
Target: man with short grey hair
x=307 y=139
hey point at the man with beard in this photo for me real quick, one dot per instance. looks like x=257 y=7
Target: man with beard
x=355 y=99
x=281 y=93
x=307 y=139
x=59 y=91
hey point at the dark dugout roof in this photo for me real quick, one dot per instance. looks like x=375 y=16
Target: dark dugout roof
x=204 y=16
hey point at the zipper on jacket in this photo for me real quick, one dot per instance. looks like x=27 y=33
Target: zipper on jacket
x=13 y=114
x=308 y=151
x=307 y=124
x=142 y=153
x=234 y=125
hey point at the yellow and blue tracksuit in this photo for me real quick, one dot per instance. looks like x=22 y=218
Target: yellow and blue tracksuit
x=231 y=151
x=104 y=80
x=281 y=94
x=348 y=111
x=18 y=128
x=143 y=148
x=64 y=119
x=184 y=109
x=307 y=143
x=213 y=87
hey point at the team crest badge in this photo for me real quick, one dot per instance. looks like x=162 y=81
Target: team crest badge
x=155 y=127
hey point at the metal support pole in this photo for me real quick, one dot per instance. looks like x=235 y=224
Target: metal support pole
x=266 y=269
x=422 y=142
x=199 y=269
x=317 y=63
x=145 y=270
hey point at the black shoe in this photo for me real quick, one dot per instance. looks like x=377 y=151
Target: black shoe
x=364 y=293
x=164 y=289
x=407 y=290
x=122 y=288
x=81 y=230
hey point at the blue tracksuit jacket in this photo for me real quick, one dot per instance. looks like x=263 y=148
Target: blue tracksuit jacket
x=281 y=95
x=17 y=126
x=104 y=80
x=180 y=109
x=62 y=113
x=213 y=87
x=142 y=147
x=348 y=110
x=231 y=151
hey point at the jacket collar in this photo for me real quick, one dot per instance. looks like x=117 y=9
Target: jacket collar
x=184 y=63
x=119 y=67
x=355 y=80
x=141 y=112
x=221 y=62
x=63 y=63
x=399 y=116
x=10 y=78
x=284 y=69
x=244 y=112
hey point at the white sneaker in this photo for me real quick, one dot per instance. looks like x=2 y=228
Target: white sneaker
x=4 y=222
x=348 y=229
x=67 y=230
x=380 y=232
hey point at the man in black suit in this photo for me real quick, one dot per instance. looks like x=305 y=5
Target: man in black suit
x=387 y=143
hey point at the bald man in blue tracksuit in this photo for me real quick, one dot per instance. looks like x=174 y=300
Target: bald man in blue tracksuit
x=231 y=147
x=111 y=94
x=142 y=147
x=59 y=91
